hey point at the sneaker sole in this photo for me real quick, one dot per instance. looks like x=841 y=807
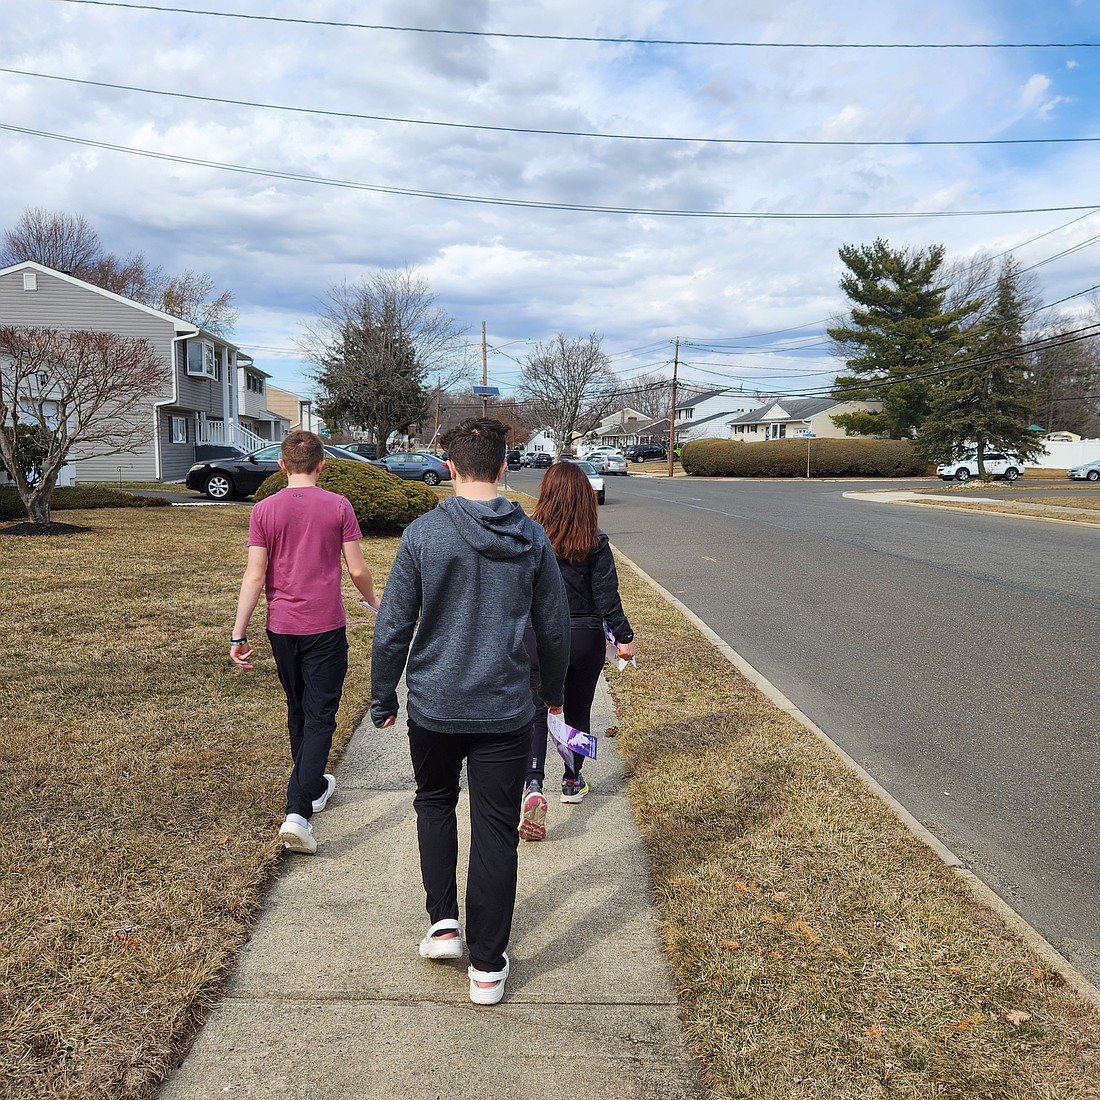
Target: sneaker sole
x=573 y=799
x=432 y=947
x=294 y=843
x=533 y=825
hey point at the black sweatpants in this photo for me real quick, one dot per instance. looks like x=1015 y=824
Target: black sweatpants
x=587 y=650
x=494 y=773
x=311 y=668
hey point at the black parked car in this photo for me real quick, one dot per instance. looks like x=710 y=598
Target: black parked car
x=365 y=450
x=513 y=457
x=641 y=452
x=240 y=475
x=539 y=460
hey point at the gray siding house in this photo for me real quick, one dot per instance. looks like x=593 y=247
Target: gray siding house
x=199 y=400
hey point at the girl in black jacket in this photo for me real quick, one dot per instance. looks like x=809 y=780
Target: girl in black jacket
x=567 y=512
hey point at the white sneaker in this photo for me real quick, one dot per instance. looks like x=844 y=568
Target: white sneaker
x=298 y=838
x=330 y=785
x=495 y=992
x=433 y=946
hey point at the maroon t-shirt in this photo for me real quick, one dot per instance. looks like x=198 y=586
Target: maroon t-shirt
x=304 y=531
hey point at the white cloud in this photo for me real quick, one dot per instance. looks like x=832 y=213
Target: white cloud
x=529 y=273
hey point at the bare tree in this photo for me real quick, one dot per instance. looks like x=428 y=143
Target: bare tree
x=191 y=295
x=649 y=393
x=376 y=344
x=65 y=242
x=68 y=243
x=74 y=389
x=567 y=385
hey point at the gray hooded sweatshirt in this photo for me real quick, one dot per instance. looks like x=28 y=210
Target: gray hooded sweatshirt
x=474 y=573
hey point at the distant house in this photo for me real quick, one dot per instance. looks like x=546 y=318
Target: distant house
x=298 y=412
x=619 y=429
x=788 y=417
x=542 y=441
x=705 y=414
x=198 y=401
x=256 y=413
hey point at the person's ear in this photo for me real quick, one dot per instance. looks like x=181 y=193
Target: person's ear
x=500 y=472
x=282 y=466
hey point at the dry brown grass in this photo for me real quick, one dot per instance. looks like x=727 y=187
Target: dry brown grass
x=142 y=779
x=820 y=950
x=1072 y=505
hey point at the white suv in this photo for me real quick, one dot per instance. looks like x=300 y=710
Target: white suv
x=996 y=463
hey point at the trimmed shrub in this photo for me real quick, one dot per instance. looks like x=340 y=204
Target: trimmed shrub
x=852 y=456
x=78 y=496
x=383 y=502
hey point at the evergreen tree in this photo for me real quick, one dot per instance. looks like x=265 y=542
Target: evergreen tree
x=899 y=330
x=987 y=402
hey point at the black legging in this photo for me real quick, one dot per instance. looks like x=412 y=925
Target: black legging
x=587 y=647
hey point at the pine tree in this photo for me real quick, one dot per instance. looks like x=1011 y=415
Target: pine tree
x=987 y=402
x=899 y=329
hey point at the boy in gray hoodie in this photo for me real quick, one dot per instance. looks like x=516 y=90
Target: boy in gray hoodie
x=474 y=571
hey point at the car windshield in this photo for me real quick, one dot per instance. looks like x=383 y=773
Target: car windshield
x=588 y=468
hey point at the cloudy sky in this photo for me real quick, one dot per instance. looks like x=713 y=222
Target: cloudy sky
x=694 y=183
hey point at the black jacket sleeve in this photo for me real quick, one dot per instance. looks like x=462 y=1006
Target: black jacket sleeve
x=605 y=591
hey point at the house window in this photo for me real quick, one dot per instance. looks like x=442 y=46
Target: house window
x=200 y=359
x=255 y=384
x=30 y=280
x=177 y=429
x=775 y=431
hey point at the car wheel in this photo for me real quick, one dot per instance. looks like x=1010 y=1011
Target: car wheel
x=1011 y=474
x=431 y=478
x=218 y=486
x=962 y=474
x=600 y=497
x=1093 y=475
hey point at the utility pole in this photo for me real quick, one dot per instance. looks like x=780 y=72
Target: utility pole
x=484 y=372
x=438 y=393
x=672 y=408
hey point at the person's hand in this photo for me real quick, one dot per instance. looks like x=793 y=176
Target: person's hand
x=625 y=650
x=389 y=721
x=241 y=655
x=556 y=710
x=371 y=603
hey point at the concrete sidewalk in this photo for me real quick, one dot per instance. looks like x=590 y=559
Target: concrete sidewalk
x=331 y=1000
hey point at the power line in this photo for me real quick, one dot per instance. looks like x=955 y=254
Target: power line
x=529 y=130
x=619 y=41
x=536 y=204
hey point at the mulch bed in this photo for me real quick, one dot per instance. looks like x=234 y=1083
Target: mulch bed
x=28 y=528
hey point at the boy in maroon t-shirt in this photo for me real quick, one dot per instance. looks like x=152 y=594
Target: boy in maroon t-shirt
x=296 y=542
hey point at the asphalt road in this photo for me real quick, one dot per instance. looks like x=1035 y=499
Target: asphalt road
x=955 y=656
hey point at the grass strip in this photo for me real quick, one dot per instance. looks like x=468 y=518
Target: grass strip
x=142 y=779
x=820 y=950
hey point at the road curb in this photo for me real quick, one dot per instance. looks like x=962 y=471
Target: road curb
x=1016 y=924
x=878 y=496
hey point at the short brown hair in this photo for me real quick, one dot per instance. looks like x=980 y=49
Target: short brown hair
x=567 y=511
x=302 y=452
x=476 y=447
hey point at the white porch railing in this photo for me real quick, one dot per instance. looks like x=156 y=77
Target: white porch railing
x=214 y=431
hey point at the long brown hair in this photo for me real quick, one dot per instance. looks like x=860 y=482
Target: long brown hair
x=567 y=511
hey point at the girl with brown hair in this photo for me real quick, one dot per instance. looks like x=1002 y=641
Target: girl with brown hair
x=567 y=511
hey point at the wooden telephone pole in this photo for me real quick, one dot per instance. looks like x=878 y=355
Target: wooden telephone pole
x=484 y=372
x=672 y=408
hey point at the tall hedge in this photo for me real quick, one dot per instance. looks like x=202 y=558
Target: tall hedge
x=383 y=502
x=849 y=457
